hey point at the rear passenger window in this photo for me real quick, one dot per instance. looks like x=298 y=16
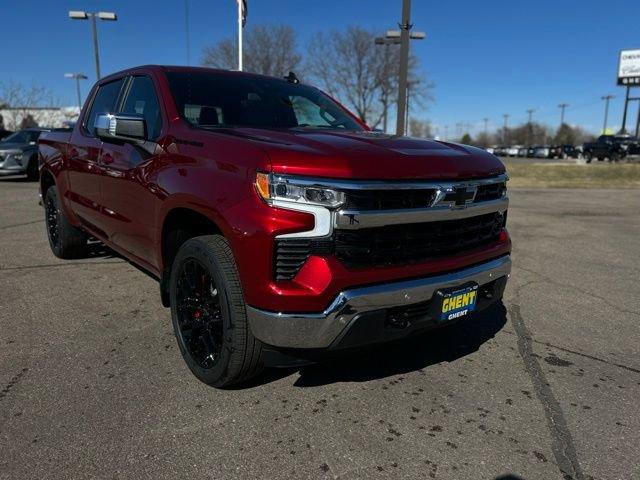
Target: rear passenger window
x=104 y=102
x=142 y=100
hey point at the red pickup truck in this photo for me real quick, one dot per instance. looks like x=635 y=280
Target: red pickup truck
x=274 y=219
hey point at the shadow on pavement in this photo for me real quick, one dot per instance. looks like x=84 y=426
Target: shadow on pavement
x=17 y=179
x=443 y=345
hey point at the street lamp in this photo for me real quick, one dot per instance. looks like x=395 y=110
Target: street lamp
x=106 y=16
x=77 y=77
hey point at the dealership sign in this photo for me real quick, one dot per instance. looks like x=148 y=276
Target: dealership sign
x=629 y=68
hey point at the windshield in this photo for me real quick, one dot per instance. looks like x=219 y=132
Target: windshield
x=25 y=136
x=212 y=100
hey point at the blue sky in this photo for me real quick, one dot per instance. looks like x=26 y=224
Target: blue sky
x=486 y=58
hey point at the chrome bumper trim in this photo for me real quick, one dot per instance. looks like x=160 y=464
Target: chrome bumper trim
x=319 y=330
x=352 y=219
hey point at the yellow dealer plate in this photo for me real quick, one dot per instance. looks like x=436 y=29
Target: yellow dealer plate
x=458 y=302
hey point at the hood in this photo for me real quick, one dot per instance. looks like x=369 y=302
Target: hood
x=369 y=155
x=14 y=146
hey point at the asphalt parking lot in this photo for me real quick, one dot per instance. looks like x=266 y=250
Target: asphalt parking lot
x=92 y=384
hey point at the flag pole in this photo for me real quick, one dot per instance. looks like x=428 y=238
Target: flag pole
x=239 y=35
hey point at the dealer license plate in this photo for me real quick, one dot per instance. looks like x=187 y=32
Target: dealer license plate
x=457 y=302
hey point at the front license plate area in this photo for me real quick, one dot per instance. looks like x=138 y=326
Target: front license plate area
x=456 y=302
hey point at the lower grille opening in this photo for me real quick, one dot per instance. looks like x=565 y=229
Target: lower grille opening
x=390 y=245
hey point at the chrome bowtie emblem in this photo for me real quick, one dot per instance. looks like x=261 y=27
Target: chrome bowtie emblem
x=463 y=195
x=455 y=196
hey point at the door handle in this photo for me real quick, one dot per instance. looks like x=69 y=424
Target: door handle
x=106 y=159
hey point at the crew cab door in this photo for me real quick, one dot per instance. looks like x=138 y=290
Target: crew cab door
x=84 y=170
x=127 y=170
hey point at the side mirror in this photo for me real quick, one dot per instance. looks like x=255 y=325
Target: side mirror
x=121 y=127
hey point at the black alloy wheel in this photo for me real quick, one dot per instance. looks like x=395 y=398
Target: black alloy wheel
x=209 y=314
x=199 y=314
x=51 y=220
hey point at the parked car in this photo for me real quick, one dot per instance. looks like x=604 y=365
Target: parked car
x=522 y=152
x=531 y=151
x=554 y=151
x=512 y=151
x=612 y=147
x=500 y=151
x=567 y=151
x=541 y=152
x=273 y=219
x=19 y=153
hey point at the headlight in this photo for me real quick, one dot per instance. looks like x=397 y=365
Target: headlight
x=297 y=190
x=17 y=157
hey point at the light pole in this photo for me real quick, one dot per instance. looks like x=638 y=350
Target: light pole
x=394 y=37
x=562 y=106
x=504 y=132
x=530 y=126
x=186 y=29
x=77 y=77
x=405 y=36
x=606 y=99
x=386 y=42
x=106 y=16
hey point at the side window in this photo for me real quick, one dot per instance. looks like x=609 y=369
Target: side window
x=142 y=100
x=104 y=102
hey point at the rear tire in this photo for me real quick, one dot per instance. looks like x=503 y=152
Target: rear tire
x=209 y=316
x=65 y=240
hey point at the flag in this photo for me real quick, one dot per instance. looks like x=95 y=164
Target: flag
x=242 y=4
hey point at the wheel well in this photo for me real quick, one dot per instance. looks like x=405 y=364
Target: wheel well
x=180 y=225
x=46 y=181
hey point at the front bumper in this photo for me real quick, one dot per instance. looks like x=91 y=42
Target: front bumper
x=350 y=307
x=9 y=166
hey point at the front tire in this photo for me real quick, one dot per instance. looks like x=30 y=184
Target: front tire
x=65 y=240
x=209 y=314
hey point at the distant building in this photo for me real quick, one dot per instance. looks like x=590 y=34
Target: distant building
x=54 y=117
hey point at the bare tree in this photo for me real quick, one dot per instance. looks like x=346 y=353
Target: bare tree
x=361 y=74
x=19 y=100
x=268 y=50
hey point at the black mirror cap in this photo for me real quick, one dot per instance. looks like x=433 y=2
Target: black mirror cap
x=121 y=127
x=130 y=126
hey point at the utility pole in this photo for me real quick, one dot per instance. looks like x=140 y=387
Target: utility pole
x=562 y=106
x=486 y=127
x=530 y=126
x=405 y=26
x=606 y=99
x=530 y=113
x=504 y=132
x=186 y=28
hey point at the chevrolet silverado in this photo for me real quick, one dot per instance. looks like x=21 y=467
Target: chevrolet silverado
x=273 y=218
